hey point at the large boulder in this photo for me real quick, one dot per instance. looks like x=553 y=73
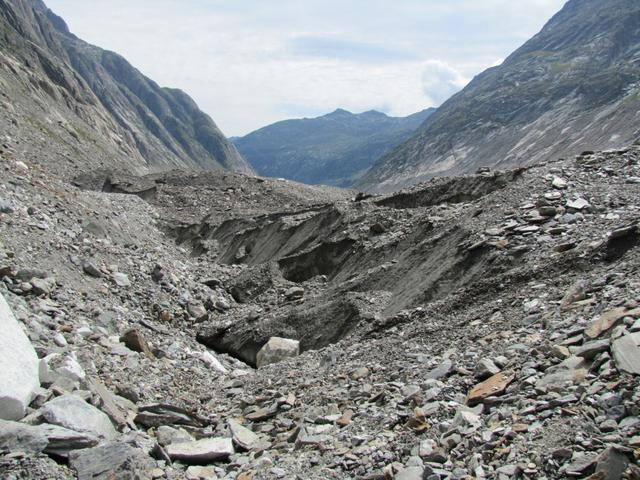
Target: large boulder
x=276 y=350
x=74 y=413
x=19 y=376
x=111 y=461
x=52 y=439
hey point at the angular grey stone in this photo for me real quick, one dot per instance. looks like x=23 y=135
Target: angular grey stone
x=410 y=473
x=121 y=279
x=42 y=286
x=580 y=462
x=60 y=440
x=242 y=436
x=591 y=349
x=46 y=438
x=276 y=350
x=626 y=352
x=74 y=413
x=5 y=206
x=111 y=461
x=201 y=451
x=485 y=369
x=167 y=435
x=441 y=371
x=19 y=375
x=294 y=293
x=91 y=270
x=571 y=370
x=16 y=436
x=431 y=452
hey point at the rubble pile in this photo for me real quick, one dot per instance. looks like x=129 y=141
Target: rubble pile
x=228 y=327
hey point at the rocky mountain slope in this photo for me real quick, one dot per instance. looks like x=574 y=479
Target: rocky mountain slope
x=216 y=325
x=484 y=326
x=93 y=106
x=572 y=87
x=335 y=149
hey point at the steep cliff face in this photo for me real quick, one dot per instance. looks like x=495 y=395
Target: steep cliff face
x=334 y=149
x=575 y=86
x=97 y=103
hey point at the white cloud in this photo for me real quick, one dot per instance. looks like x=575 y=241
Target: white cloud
x=245 y=64
x=440 y=81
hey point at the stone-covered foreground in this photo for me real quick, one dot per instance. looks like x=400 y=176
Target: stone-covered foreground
x=480 y=327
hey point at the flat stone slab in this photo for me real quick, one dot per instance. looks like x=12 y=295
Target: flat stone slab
x=242 y=436
x=494 y=385
x=111 y=461
x=53 y=439
x=74 y=413
x=626 y=353
x=608 y=320
x=571 y=370
x=201 y=451
x=19 y=375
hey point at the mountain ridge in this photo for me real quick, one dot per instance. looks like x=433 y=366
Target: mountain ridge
x=58 y=79
x=571 y=87
x=334 y=149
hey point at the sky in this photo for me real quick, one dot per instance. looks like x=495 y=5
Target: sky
x=249 y=63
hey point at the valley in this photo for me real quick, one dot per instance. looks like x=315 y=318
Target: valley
x=170 y=310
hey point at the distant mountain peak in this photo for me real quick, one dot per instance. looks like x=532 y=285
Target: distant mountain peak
x=339 y=112
x=334 y=149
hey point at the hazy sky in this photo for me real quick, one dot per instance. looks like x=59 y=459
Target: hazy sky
x=249 y=63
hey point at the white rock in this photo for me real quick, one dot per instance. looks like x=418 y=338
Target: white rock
x=212 y=362
x=19 y=376
x=578 y=204
x=59 y=340
x=47 y=375
x=74 y=413
x=84 y=332
x=276 y=350
x=121 y=279
x=70 y=368
x=559 y=183
x=201 y=451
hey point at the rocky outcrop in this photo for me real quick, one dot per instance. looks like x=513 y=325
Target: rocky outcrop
x=19 y=377
x=572 y=87
x=95 y=103
x=335 y=149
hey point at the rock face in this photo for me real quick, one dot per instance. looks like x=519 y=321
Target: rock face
x=335 y=149
x=94 y=100
x=19 y=374
x=276 y=350
x=540 y=103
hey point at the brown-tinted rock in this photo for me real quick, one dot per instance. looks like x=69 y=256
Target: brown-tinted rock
x=494 y=385
x=135 y=341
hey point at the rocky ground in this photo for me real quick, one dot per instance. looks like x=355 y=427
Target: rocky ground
x=477 y=327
